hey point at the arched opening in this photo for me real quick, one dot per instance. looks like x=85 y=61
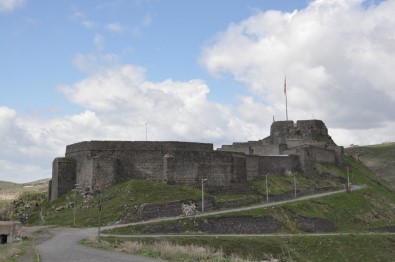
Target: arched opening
x=3 y=239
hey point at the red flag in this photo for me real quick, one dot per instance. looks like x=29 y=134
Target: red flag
x=285 y=86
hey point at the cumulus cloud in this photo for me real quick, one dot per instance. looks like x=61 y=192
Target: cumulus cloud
x=124 y=99
x=337 y=56
x=10 y=5
x=116 y=103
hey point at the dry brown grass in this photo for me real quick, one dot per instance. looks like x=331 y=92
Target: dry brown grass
x=9 y=250
x=167 y=250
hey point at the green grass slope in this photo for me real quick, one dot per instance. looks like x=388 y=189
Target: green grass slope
x=362 y=220
x=366 y=210
x=120 y=202
x=379 y=158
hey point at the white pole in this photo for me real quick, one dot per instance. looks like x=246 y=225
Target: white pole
x=203 y=179
x=100 y=208
x=267 y=191
x=146 y=131
x=348 y=179
x=286 y=100
x=75 y=193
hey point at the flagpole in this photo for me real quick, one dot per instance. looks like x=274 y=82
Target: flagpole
x=286 y=100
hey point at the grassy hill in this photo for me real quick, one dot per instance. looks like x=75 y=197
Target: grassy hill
x=15 y=198
x=359 y=211
x=379 y=158
x=120 y=203
x=361 y=217
x=10 y=190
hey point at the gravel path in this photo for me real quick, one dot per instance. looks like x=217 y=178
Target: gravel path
x=64 y=246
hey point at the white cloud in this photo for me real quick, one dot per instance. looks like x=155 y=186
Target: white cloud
x=122 y=97
x=10 y=5
x=115 y=27
x=94 y=63
x=137 y=30
x=98 y=41
x=81 y=18
x=337 y=55
x=116 y=103
x=147 y=21
x=88 y=24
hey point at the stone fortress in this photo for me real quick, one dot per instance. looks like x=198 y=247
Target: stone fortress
x=96 y=165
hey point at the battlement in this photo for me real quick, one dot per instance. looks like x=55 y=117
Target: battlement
x=137 y=146
x=306 y=130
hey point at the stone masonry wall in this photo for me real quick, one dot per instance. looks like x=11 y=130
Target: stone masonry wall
x=259 y=166
x=63 y=176
x=100 y=164
x=303 y=130
x=171 y=209
x=219 y=168
x=129 y=160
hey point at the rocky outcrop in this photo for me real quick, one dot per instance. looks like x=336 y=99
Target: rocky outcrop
x=314 y=225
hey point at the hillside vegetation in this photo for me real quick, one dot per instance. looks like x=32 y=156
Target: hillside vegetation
x=379 y=158
x=18 y=200
x=361 y=216
x=10 y=191
x=370 y=209
x=370 y=212
x=120 y=203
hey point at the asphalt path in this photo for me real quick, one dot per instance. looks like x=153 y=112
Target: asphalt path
x=64 y=246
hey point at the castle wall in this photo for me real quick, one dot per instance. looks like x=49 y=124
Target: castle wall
x=259 y=166
x=105 y=172
x=123 y=160
x=63 y=176
x=219 y=168
x=295 y=134
x=252 y=148
x=100 y=164
x=279 y=131
x=308 y=155
x=322 y=155
x=339 y=151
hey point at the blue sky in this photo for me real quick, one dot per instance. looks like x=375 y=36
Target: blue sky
x=42 y=38
x=209 y=71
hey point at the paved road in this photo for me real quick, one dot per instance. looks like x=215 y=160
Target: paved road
x=64 y=247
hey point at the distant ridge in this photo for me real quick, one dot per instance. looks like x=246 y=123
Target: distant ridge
x=379 y=158
x=11 y=190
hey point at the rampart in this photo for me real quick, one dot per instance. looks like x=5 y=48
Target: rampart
x=96 y=165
